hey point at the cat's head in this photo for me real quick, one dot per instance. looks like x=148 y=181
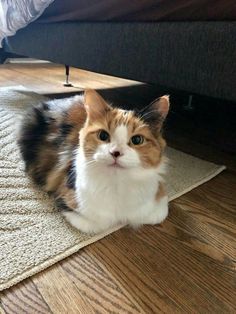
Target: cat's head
x=121 y=139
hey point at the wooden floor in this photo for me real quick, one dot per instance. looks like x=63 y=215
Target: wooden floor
x=187 y=264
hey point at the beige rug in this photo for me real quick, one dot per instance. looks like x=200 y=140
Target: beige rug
x=33 y=235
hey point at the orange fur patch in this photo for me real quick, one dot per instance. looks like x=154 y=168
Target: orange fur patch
x=161 y=192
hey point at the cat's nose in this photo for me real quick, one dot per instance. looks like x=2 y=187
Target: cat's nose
x=116 y=154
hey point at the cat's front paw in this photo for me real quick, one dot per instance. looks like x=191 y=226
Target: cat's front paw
x=151 y=214
x=160 y=213
x=81 y=223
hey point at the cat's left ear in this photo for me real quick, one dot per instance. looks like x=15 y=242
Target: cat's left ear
x=95 y=105
x=154 y=115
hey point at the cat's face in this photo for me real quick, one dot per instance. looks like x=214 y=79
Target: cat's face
x=121 y=139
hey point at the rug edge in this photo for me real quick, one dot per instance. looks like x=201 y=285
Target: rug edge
x=210 y=176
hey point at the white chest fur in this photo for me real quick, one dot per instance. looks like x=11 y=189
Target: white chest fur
x=109 y=196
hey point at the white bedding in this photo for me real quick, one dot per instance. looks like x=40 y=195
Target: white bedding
x=15 y=14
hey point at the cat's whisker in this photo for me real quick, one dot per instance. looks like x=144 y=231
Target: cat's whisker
x=89 y=161
x=148 y=113
x=144 y=108
x=91 y=165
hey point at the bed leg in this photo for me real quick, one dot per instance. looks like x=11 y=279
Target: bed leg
x=189 y=106
x=67 y=83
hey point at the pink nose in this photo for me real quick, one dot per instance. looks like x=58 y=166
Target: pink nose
x=115 y=154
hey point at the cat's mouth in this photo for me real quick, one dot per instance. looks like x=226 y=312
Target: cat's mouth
x=115 y=164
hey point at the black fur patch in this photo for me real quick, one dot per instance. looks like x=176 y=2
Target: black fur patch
x=71 y=176
x=65 y=129
x=32 y=135
x=45 y=106
x=61 y=205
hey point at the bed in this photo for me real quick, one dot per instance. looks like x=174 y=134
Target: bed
x=185 y=45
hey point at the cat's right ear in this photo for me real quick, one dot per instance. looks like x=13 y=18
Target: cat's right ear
x=155 y=114
x=95 y=105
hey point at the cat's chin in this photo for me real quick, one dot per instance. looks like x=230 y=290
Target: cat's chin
x=116 y=165
x=121 y=168
x=113 y=167
x=111 y=164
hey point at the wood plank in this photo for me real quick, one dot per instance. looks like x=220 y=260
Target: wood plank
x=174 y=269
x=53 y=76
x=1 y=309
x=121 y=261
x=98 y=285
x=24 y=298
x=214 y=203
x=35 y=84
x=61 y=293
x=192 y=267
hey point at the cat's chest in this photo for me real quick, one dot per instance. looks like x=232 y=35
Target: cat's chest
x=113 y=195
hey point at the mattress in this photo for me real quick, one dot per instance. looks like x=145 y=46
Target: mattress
x=140 y=10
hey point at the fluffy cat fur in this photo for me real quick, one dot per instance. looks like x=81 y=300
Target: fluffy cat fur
x=103 y=165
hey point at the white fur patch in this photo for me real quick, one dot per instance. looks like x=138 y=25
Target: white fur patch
x=119 y=142
x=120 y=136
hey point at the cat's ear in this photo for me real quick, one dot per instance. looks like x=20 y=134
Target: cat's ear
x=155 y=114
x=95 y=105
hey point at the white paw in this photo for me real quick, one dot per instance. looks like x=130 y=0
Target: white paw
x=160 y=213
x=151 y=214
x=81 y=223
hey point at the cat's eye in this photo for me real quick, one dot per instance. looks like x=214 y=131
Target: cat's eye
x=103 y=136
x=137 y=139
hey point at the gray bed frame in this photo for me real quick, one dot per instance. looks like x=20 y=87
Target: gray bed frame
x=197 y=57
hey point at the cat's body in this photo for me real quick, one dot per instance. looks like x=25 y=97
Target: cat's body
x=103 y=165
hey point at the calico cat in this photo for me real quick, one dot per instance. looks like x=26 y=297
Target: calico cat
x=102 y=164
